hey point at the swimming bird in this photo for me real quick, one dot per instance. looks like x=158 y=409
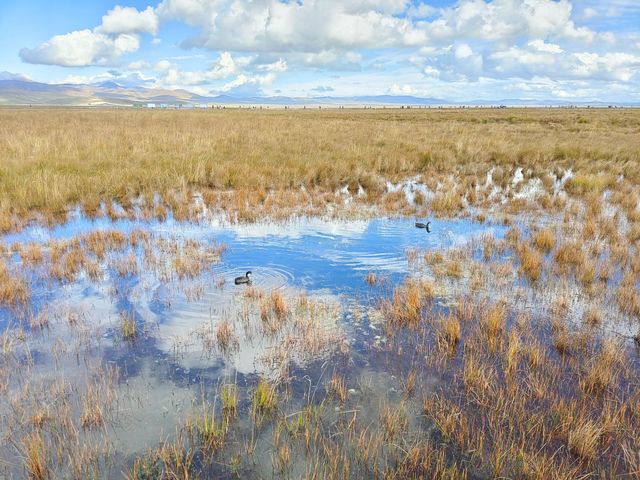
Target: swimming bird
x=243 y=280
x=424 y=225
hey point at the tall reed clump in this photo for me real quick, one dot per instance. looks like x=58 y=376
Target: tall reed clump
x=406 y=305
x=450 y=331
x=337 y=388
x=14 y=291
x=530 y=262
x=265 y=398
x=128 y=326
x=210 y=432
x=544 y=240
x=229 y=399
x=493 y=322
x=35 y=456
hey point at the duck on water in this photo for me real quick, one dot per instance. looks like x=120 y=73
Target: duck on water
x=424 y=225
x=246 y=279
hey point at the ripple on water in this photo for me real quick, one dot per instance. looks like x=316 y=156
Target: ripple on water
x=267 y=278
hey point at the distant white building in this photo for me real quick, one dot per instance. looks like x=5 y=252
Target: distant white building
x=151 y=105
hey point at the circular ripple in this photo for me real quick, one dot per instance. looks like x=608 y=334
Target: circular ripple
x=271 y=277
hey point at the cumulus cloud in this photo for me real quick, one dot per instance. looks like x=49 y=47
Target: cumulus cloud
x=243 y=79
x=309 y=26
x=129 y=20
x=279 y=66
x=81 y=48
x=396 y=89
x=506 y=20
x=222 y=68
x=532 y=60
x=104 y=45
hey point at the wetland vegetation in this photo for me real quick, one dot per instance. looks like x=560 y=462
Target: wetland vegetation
x=503 y=344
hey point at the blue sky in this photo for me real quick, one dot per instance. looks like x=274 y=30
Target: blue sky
x=455 y=50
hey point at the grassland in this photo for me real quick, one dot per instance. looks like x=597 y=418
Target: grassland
x=54 y=159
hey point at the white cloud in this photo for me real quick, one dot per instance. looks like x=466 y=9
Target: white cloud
x=130 y=79
x=541 y=46
x=309 y=26
x=396 y=89
x=81 y=48
x=506 y=20
x=243 y=79
x=279 y=66
x=463 y=51
x=222 y=68
x=129 y=20
x=528 y=61
x=104 y=45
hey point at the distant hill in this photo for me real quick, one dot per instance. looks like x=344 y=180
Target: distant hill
x=22 y=91
x=16 y=89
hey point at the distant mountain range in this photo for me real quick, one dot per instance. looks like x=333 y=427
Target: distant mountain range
x=16 y=89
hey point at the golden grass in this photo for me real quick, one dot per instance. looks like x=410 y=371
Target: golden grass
x=36 y=462
x=226 y=336
x=85 y=156
x=493 y=322
x=279 y=304
x=584 y=438
x=128 y=326
x=370 y=278
x=92 y=412
x=336 y=388
x=450 y=330
x=544 y=240
x=530 y=262
x=569 y=256
x=13 y=290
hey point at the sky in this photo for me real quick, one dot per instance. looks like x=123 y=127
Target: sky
x=572 y=50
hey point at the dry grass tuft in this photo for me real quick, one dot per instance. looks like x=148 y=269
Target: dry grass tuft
x=337 y=388
x=128 y=326
x=14 y=291
x=225 y=335
x=544 y=240
x=530 y=262
x=583 y=439
x=493 y=322
x=92 y=413
x=279 y=304
x=35 y=456
x=449 y=331
x=370 y=279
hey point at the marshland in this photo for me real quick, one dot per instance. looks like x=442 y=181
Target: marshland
x=502 y=344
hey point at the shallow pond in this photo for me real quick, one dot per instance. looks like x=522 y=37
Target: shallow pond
x=126 y=347
x=174 y=360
